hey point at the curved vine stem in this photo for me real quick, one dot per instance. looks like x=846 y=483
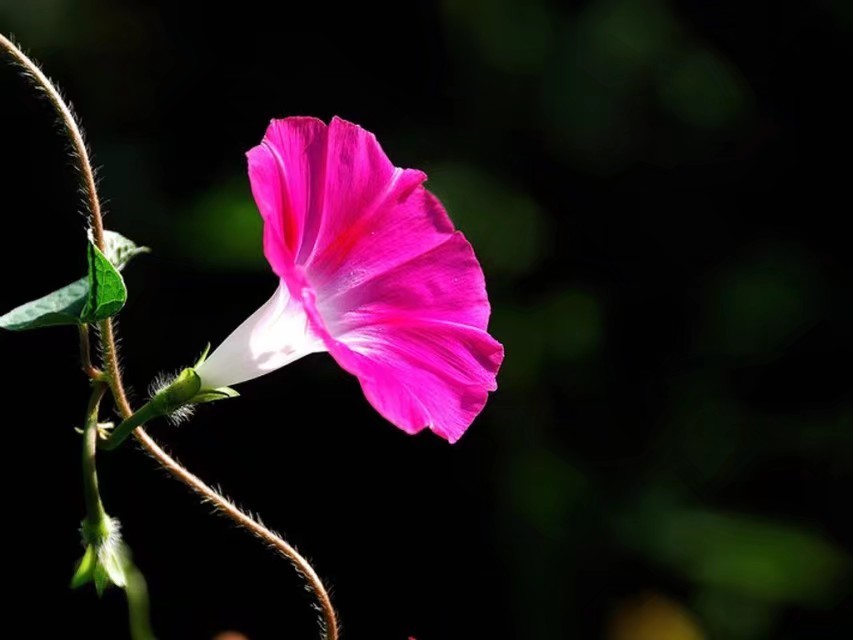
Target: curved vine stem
x=107 y=335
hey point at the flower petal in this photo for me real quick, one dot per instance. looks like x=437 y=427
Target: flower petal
x=375 y=215
x=287 y=172
x=421 y=374
x=333 y=203
x=275 y=335
x=417 y=372
x=445 y=283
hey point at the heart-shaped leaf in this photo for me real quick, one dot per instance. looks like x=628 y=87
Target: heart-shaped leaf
x=99 y=295
x=120 y=250
x=63 y=306
x=107 y=291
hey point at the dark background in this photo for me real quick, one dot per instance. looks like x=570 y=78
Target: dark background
x=658 y=192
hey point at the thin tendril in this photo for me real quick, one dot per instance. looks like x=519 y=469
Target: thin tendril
x=329 y=623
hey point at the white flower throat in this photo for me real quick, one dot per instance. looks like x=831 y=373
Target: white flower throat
x=275 y=335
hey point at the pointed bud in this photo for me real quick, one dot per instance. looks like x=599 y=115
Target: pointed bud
x=105 y=558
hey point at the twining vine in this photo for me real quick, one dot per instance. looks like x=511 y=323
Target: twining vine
x=109 y=376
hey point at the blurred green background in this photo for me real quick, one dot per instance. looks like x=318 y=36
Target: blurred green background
x=654 y=190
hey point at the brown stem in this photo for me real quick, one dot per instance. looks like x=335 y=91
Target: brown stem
x=91 y=371
x=227 y=508
x=72 y=128
x=110 y=356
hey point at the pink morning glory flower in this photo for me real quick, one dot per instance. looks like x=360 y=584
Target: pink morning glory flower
x=371 y=270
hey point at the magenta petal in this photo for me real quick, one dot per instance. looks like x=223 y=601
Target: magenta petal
x=395 y=293
x=288 y=182
x=375 y=217
x=418 y=373
x=424 y=374
x=444 y=283
x=415 y=338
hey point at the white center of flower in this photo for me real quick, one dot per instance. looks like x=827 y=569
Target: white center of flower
x=275 y=335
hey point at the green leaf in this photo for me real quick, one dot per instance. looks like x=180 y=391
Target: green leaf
x=107 y=292
x=73 y=304
x=120 y=250
x=61 y=307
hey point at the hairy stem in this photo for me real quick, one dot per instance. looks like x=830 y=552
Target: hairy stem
x=113 y=371
x=72 y=128
x=91 y=371
x=231 y=511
